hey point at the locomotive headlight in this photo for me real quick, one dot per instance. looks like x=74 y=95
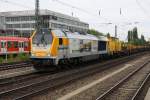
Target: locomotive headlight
x=33 y=54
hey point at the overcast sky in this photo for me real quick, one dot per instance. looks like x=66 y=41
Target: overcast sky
x=132 y=11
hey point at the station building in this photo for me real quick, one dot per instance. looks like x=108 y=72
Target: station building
x=24 y=21
x=2 y=22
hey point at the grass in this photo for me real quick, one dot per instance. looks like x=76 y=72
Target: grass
x=23 y=57
x=1 y=60
x=14 y=58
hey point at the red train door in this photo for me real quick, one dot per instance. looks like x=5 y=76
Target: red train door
x=21 y=47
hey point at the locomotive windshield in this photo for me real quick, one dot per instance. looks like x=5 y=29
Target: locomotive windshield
x=43 y=36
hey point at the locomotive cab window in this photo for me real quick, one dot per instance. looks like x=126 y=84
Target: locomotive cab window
x=43 y=36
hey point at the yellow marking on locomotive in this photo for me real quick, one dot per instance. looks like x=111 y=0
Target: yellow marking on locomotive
x=41 y=53
x=31 y=41
x=33 y=34
x=65 y=42
x=54 y=46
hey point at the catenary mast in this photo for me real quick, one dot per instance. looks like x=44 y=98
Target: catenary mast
x=37 y=15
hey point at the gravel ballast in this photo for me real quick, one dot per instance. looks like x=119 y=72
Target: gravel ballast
x=93 y=92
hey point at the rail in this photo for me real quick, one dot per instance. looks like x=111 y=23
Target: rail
x=14 y=65
x=105 y=94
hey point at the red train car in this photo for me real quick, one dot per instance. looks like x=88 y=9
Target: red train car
x=13 y=44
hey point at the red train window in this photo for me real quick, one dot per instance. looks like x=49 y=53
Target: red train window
x=26 y=44
x=9 y=44
x=3 y=44
x=16 y=44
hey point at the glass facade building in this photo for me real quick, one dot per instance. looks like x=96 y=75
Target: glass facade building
x=24 y=21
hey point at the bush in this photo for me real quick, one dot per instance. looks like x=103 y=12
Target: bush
x=1 y=60
x=23 y=56
x=95 y=32
x=10 y=58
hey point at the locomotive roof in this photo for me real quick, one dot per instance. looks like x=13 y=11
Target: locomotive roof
x=77 y=35
x=59 y=33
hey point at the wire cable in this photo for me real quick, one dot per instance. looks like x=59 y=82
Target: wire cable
x=17 y=4
x=142 y=8
x=80 y=9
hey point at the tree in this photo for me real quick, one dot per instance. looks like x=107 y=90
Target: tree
x=108 y=35
x=142 y=38
x=129 y=36
x=143 y=41
x=133 y=36
x=135 y=33
x=95 y=32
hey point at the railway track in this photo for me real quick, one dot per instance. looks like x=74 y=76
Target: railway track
x=139 y=95
x=34 y=86
x=129 y=87
x=15 y=65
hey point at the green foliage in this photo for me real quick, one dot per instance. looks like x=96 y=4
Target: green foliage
x=135 y=33
x=133 y=37
x=10 y=58
x=1 y=60
x=22 y=56
x=143 y=41
x=14 y=58
x=130 y=35
x=108 y=35
x=95 y=32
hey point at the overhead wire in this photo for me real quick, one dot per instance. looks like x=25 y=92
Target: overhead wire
x=142 y=8
x=80 y=9
x=16 y=4
x=146 y=2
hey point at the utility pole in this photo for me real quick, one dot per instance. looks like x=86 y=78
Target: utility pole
x=37 y=18
x=72 y=14
x=99 y=12
x=115 y=31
